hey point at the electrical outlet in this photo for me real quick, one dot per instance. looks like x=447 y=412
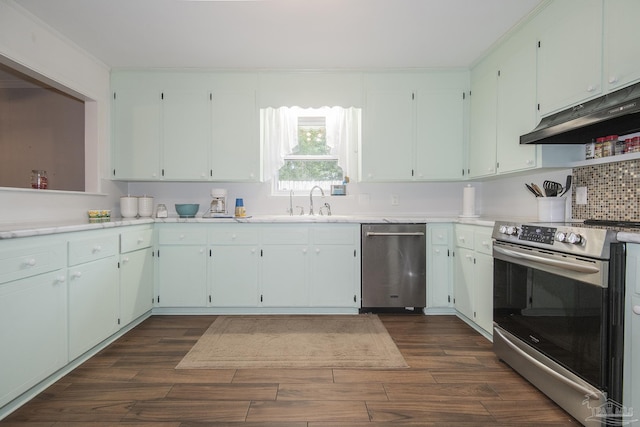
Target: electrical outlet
x=395 y=200
x=581 y=195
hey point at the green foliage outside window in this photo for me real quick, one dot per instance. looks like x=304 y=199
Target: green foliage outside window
x=311 y=142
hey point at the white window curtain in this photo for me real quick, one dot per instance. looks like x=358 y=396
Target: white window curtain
x=280 y=133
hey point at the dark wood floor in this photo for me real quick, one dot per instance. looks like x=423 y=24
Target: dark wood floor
x=454 y=380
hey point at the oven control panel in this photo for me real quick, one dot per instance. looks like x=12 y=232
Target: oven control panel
x=539 y=234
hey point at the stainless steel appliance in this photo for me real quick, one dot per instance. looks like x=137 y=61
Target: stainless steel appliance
x=393 y=266
x=559 y=312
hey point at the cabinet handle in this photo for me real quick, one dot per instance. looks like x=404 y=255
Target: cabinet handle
x=201 y=250
x=613 y=79
x=233 y=237
x=437 y=251
x=77 y=275
x=461 y=238
x=529 y=162
x=181 y=237
x=140 y=239
x=304 y=251
x=253 y=250
x=317 y=250
x=97 y=248
x=29 y=262
x=61 y=279
x=469 y=257
x=485 y=244
x=124 y=260
x=636 y=309
x=591 y=88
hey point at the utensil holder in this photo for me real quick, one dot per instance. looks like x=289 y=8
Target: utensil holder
x=551 y=209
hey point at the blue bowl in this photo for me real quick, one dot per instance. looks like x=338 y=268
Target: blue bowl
x=187 y=210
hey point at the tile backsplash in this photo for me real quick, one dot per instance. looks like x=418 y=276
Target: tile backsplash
x=613 y=191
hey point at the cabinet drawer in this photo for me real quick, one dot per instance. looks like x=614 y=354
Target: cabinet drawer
x=243 y=234
x=334 y=235
x=18 y=261
x=285 y=235
x=483 y=242
x=182 y=236
x=464 y=236
x=440 y=235
x=92 y=248
x=135 y=239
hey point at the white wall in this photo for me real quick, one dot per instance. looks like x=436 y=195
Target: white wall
x=33 y=47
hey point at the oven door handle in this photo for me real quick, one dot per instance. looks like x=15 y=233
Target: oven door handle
x=547 y=261
x=583 y=390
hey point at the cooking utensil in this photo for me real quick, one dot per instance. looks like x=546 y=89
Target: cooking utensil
x=551 y=188
x=537 y=190
x=567 y=186
x=531 y=189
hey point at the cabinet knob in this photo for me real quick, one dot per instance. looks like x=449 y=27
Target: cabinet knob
x=304 y=251
x=97 y=248
x=485 y=244
x=61 y=279
x=613 y=79
x=469 y=257
x=201 y=250
x=30 y=262
x=203 y=175
x=181 y=237
x=437 y=251
x=252 y=175
x=233 y=237
x=140 y=239
x=591 y=88
x=77 y=275
x=461 y=238
x=636 y=309
x=529 y=162
x=253 y=250
x=317 y=250
x=125 y=260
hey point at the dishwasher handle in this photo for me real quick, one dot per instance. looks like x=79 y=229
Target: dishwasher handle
x=383 y=233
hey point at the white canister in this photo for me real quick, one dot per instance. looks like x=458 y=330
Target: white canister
x=551 y=209
x=129 y=206
x=145 y=206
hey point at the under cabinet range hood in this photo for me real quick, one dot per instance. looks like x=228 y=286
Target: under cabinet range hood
x=616 y=113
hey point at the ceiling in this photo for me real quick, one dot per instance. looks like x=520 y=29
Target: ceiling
x=283 y=34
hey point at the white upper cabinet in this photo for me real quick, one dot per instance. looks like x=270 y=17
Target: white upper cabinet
x=236 y=141
x=483 y=116
x=622 y=49
x=186 y=125
x=387 y=136
x=413 y=126
x=136 y=129
x=516 y=108
x=569 y=54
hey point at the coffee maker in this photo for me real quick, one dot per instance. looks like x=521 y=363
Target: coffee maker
x=218 y=203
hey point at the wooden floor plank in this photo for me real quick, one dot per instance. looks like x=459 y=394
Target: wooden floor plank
x=382 y=376
x=188 y=410
x=283 y=375
x=440 y=392
x=308 y=411
x=331 y=391
x=189 y=376
x=224 y=392
x=468 y=411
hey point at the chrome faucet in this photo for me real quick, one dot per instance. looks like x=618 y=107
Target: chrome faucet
x=311 y=198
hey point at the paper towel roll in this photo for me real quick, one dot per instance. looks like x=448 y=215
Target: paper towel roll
x=468 y=201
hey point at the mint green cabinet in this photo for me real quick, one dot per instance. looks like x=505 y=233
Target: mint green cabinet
x=182 y=266
x=569 y=53
x=473 y=276
x=439 y=268
x=93 y=290
x=136 y=273
x=235 y=149
x=186 y=134
x=33 y=331
x=136 y=130
x=483 y=119
x=621 y=47
x=388 y=134
x=234 y=265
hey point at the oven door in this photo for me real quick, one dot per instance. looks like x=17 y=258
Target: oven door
x=557 y=304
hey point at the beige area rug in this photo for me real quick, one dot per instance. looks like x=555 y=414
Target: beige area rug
x=358 y=341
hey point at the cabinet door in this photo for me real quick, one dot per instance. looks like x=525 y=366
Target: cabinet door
x=483 y=281
x=284 y=276
x=516 y=109
x=136 y=284
x=570 y=54
x=186 y=134
x=464 y=280
x=182 y=280
x=482 y=138
x=235 y=154
x=388 y=136
x=93 y=304
x=234 y=276
x=136 y=133
x=440 y=134
x=631 y=383
x=333 y=276
x=622 y=50
x=439 y=284
x=33 y=315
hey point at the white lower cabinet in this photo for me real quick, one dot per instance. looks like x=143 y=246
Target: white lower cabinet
x=631 y=381
x=234 y=265
x=136 y=273
x=93 y=291
x=439 y=268
x=182 y=268
x=473 y=275
x=33 y=331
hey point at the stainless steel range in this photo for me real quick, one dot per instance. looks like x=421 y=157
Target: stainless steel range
x=559 y=312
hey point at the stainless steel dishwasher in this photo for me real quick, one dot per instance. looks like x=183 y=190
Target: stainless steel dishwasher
x=394 y=265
